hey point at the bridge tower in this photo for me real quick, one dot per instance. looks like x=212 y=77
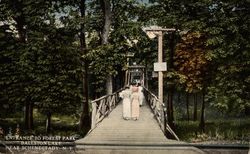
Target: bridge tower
x=136 y=74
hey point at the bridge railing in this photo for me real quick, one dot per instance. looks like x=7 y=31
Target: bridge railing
x=160 y=111
x=102 y=106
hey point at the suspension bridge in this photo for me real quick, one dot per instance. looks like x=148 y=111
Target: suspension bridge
x=110 y=133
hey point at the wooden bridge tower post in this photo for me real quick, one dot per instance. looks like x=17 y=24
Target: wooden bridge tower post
x=160 y=73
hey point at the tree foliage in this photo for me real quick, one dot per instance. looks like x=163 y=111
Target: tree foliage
x=42 y=62
x=191 y=62
x=125 y=31
x=229 y=39
x=226 y=26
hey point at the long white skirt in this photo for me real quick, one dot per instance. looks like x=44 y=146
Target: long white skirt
x=141 y=98
x=126 y=108
x=135 y=110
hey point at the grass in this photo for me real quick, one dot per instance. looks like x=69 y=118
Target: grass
x=60 y=125
x=227 y=130
x=215 y=129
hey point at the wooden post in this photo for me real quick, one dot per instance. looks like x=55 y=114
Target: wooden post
x=93 y=119
x=165 y=122
x=126 y=73
x=160 y=73
x=153 y=32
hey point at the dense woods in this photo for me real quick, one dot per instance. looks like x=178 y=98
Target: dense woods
x=57 y=56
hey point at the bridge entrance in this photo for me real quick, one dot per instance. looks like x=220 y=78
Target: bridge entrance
x=135 y=74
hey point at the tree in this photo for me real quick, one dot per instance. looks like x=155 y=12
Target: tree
x=9 y=70
x=106 y=9
x=192 y=63
x=47 y=62
x=171 y=88
x=184 y=16
x=85 y=116
x=228 y=39
x=61 y=75
x=191 y=60
x=23 y=16
x=110 y=59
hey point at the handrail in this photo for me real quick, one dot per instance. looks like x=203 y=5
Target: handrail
x=159 y=109
x=102 y=106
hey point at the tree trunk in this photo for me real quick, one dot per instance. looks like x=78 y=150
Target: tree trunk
x=171 y=51
x=202 y=120
x=31 y=124
x=109 y=85
x=179 y=97
x=171 y=90
x=21 y=30
x=26 y=116
x=247 y=110
x=22 y=33
x=187 y=101
x=48 y=123
x=20 y=21
x=170 y=112
x=195 y=107
x=146 y=75
x=85 y=123
x=106 y=8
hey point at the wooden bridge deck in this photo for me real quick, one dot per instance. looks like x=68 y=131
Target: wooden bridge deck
x=114 y=135
x=115 y=130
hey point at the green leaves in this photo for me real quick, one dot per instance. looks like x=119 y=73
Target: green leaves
x=225 y=25
x=228 y=44
x=44 y=61
x=44 y=64
x=191 y=62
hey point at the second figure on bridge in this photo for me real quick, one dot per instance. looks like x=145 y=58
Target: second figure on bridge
x=125 y=95
x=135 y=102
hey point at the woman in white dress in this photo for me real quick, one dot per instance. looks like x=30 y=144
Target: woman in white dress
x=125 y=95
x=141 y=95
x=135 y=109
